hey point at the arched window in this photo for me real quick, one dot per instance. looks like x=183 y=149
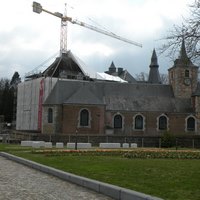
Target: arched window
x=139 y=122
x=118 y=121
x=187 y=73
x=84 y=118
x=50 y=115
x=190 y=124
x=162 y=123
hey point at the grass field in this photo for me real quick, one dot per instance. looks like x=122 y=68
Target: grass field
x=174 y=179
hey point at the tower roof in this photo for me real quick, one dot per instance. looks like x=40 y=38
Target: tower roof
x=112 y=66
x=183 y=54
x=154 y=75
x=183 y=59
x=154 y=59
x=112 y=69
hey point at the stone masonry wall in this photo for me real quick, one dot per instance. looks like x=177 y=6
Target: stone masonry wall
x=176 y=123
x=66 y=121
x=177 y=81
x=56 y=126
x=71 y=119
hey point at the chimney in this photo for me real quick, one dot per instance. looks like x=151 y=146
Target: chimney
x=120 y=70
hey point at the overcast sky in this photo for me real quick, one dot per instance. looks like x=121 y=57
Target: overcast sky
x=28 y=39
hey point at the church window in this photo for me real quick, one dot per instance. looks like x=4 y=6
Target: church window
x=50 y=115
x=139 y=122
x=84 y=118
x=162 y=123
x=118 y=121
x=190 y=124
x=187 y=73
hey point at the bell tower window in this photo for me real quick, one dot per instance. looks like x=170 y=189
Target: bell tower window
x=187 y=73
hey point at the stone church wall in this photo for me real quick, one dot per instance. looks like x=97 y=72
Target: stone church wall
x=56 y=126
x=66 y=121
x=71 y=119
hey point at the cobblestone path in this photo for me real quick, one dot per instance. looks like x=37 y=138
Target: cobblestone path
x=18 y=182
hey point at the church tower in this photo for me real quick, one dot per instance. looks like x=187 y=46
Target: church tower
x=112 y=68
x=183 y=76
x=154 y=75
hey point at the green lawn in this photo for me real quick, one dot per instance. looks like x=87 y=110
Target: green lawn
x=174 y=179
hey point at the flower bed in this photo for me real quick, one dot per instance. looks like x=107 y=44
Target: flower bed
x=131 y=154
x=172 y=154
x=66 y=152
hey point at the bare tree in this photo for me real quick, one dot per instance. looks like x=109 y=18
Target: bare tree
x=164 y=79
x=189 y=31
x=142 y=76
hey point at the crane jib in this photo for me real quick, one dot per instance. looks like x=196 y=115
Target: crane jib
x=38 y=9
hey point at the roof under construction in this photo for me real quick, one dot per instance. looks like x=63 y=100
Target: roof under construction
x=68 y=66
x=64 y=66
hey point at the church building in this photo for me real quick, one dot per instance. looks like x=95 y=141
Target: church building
x=64 y=100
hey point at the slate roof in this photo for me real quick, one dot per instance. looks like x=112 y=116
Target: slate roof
x=183 y=60
x=154 y=75
x=112 y=66
x=118 y=96
x=79 y=97
x=123 y=74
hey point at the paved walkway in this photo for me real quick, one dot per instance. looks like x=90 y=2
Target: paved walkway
x=18 y=182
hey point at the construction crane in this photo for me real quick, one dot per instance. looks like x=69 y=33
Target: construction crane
x=64 y=19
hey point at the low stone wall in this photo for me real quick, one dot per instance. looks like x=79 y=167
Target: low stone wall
x=95 y=140
x=69 y=145
x=110 y=145
x=188 y=141
x=79 y=145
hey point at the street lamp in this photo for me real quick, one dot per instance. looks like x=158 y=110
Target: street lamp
x=76 y=140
